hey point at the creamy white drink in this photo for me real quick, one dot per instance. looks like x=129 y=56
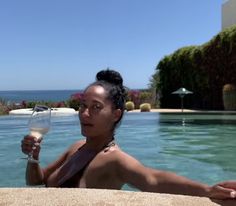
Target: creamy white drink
x=38 y=132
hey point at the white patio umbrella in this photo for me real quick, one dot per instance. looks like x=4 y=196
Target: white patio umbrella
x=182 y=92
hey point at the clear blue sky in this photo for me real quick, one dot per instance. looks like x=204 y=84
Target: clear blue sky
x=62 y=44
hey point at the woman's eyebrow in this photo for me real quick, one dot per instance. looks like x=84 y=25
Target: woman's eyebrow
x=97 y=102
x=92 y=101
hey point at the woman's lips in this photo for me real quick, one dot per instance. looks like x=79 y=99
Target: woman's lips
x=86 y=124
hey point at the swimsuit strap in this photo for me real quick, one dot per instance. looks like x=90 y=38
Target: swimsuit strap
x=109 y=145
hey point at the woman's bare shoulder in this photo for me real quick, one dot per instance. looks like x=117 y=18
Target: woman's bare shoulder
x=119 y=156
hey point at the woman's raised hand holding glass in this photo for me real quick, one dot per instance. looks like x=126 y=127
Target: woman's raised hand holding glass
x=39 y=124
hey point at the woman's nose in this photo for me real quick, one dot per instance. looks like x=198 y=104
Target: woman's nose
x=85 y=112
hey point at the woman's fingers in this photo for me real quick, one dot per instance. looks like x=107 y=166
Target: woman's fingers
x=233 y=194
x=29 y=144
x=228 y=184
x=26 y=146
x=220 y=192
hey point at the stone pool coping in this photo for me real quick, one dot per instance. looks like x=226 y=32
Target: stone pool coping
x=70 y=197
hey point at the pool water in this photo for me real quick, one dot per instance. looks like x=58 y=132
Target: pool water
x=201 y=147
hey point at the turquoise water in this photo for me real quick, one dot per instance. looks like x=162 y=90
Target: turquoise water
x=203 y=148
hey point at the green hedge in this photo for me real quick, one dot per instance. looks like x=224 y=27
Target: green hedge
x=202 y=69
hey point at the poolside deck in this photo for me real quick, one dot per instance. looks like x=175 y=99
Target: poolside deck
x=70 y=197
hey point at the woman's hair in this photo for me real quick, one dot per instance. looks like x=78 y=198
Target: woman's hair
x=112 y=82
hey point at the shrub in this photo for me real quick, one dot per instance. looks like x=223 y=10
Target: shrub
x=2 y=110
x=3 y=107
x=31 y=104
x=145 y=96
x=58 y=104
x=145 y=107
x=229 y=97
x=24 y=104
x=134 y=96
x=74 y=101
x=129 y=106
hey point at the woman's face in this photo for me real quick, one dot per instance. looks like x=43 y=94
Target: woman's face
x=96 y=114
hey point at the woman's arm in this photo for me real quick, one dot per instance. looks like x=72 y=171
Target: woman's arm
x=146 y=179
x=35 y=175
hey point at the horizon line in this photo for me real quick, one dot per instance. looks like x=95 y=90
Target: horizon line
x=23 y=90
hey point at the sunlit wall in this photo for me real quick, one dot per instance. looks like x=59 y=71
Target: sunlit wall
x=228 y=13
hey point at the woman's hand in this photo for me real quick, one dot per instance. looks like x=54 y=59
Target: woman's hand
x=223 y=190
x=31 y=144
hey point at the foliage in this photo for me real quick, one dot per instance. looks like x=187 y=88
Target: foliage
x=145 y=96
x=145 y=107
x=3 y=107
x=140 y=96
x=133 y=95
x=129 y=106
x=31 y=104
x=153 y=88
x=202 y=69
x=59 y=104
x=75 y=100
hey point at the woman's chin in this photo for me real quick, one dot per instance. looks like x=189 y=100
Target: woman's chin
x=86 y=133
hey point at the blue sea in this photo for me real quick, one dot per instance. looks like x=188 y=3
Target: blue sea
x=37 y=95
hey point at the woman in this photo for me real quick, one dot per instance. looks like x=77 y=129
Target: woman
x=97 y=162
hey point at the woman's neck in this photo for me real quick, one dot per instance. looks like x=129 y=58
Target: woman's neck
x=98 y=143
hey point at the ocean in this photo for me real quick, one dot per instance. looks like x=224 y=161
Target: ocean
x=37 y=95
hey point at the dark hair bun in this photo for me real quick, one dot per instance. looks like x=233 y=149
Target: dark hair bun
x=111 y=76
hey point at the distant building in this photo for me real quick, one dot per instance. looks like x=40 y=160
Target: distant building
x=228 y=13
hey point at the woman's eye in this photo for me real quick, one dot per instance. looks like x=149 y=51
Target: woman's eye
x=94 y=108
x=97 y=106
x=82 y=106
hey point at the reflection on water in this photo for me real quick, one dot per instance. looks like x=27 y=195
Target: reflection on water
x=202 y=149
x=189 y=118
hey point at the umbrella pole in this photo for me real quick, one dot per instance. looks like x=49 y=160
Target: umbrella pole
x=182 y=104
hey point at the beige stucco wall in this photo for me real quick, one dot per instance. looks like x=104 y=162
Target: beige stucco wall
x=70 y=197
x=228 y=13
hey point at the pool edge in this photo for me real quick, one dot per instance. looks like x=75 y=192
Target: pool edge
x=53 y=196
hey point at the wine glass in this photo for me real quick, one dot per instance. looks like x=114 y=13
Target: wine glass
x=39 y=124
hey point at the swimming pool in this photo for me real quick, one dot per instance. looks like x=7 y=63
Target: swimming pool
x=203 y=148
